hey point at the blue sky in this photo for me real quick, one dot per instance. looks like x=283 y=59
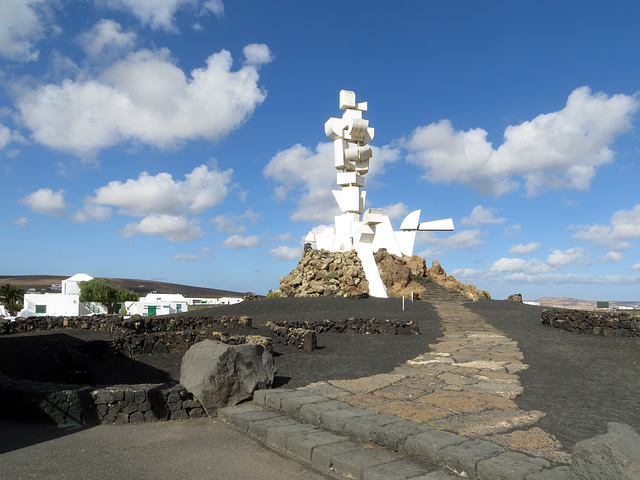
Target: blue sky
x=183 y=140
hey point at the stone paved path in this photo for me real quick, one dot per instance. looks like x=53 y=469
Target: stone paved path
x=465 y=384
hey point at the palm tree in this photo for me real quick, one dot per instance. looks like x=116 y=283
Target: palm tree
x=11 y=297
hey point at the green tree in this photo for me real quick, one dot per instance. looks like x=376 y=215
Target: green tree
x=99 y=291
x=11 y=296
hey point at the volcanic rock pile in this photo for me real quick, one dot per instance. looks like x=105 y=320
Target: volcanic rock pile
x=321 y=272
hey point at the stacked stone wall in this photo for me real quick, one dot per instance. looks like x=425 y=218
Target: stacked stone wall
x=66 y=405
x=619 y=324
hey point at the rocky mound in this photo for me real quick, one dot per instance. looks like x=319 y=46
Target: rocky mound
x=320 y=273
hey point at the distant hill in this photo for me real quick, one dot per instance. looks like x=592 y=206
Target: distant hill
x=43 y=283
x=566 y=302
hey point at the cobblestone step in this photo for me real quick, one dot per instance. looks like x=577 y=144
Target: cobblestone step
x=437 y=293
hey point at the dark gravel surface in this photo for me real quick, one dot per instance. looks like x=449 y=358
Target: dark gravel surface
x=37 y=356
x=580 y=381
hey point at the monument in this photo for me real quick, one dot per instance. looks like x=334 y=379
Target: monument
x=365 y=231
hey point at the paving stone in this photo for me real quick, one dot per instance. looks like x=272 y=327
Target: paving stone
x=322 y=455
x=271 y=398
x=325 y=389
x=291 y=403
x=426 y=446
x=510 y=466
x=333 y=420
x=227 y=413
x=414 y=411
x=393 y=435
x=437 y=475
x=302 y=446
x=354 y=464
x=312 y=412
x=535 y=442
x=463 y=458
x=277 y=436
x=398 y=470
x=243 y=419
x=467 y=402
x=488 y=422
x=559 y=473
x=400 y=392
x=367 y=384
x=259 y=428
x=362 y=427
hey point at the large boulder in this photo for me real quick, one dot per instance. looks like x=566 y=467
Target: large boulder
x=221 y=375
x=613 y=455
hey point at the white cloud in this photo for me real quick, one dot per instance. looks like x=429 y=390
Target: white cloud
x=635 y=267
x=159 y=14
x=46 y=201
x=463 y=239
x=107 y=38
x=521 y=249
x=21 y=222
x=480 y=215
x=173 y=228
x=556 y=150
x=5 y=136
x=144 y=97
x=238 y=241
x=508 y=265
x=624 y=225
x=92 y=212
x=21 y=26
x=202 y=189
x=286 y=253
x=234 y=223
x=257 y=54
x=186 y=256
x=560 y=258
x=397 y=210
x=311 y=176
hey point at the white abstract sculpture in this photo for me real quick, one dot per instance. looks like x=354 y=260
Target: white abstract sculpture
x=370 y=230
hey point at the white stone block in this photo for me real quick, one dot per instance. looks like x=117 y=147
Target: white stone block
x=372 y=216
x=347 y=99
x=363 y=106
x=346 y=179
x=406 y=241
x=411 y=221
x=335 y=128
x=445 y=225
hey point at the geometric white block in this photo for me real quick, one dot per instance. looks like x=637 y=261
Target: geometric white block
x=411 y=221
x=347 y=99
x=346 y=179
x=372 y=216
x=406 y=241
x=445 y=225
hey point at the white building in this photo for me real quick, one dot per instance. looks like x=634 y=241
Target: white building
x=156 y=304
x=214 y=301
x=66 y=303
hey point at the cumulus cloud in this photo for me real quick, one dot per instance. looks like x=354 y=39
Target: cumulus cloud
x=310 y=175
x=144 y=97
x=556 y=150
x=257 y=54
x=521 y=249
x=239 y=241
x=21 y=222
x=46 y=201
x=201 y=189
x=463 y=239
x=106 y=38
x=21 y=26
x=235 y=223
x=186 y=256
x=159 y=14
x=284 y=252
x=635 y=267
x=623 y=226
x=480 y=215
x=173 y=228
x=560 y=258
x=397 y=210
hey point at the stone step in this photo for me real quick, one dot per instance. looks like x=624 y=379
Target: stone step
x=344 y=441
x=437 y=293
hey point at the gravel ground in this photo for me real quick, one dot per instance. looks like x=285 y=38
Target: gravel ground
x=580 y=381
